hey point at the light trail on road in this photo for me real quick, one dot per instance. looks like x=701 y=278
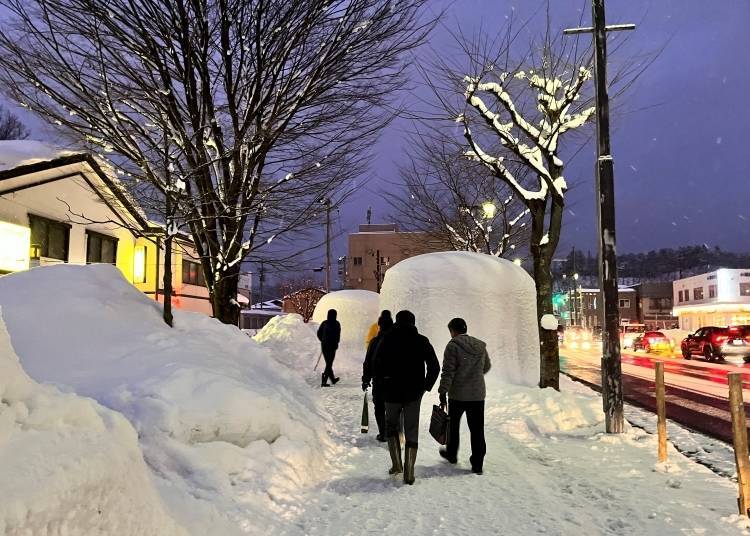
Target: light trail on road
x=696 y=392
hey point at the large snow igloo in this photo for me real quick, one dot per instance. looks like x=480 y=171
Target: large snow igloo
x=357 y=311
x=495 y=297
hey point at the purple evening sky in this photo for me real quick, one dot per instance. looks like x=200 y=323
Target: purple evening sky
x=680 y=167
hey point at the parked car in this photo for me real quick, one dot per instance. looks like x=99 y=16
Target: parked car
x=738 y=342
x=653 y=341
x=708 y=342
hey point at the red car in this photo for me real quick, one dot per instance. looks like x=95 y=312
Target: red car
x=652 y=341
x=738 y=342
x=708 y=342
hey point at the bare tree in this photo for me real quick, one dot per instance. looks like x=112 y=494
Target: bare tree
x=258 y=108
x=11 y=128
x=457 y=201
x=517 y=115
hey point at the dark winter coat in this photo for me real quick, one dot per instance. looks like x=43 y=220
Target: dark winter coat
x=465 y=362
x=368 y=367
x=329 y=334
x=400 y=360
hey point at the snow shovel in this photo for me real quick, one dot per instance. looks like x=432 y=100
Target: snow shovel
x=318 y=361
x=365 y=417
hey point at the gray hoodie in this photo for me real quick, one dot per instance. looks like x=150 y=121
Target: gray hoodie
x=465 y=362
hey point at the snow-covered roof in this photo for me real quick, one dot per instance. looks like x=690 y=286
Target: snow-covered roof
x=619 y=289
x=14 y=153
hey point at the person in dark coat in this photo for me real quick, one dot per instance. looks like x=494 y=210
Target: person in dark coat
x=401 y=358
x=329 y=335
x=385 y=323
x=465 y=363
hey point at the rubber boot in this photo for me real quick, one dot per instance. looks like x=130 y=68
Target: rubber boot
x=394 y=447
x=323 y=381
x=410 y=455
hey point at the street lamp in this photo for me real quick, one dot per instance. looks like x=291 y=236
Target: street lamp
x=489 y=209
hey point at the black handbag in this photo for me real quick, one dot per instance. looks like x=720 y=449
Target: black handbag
x=439 y=425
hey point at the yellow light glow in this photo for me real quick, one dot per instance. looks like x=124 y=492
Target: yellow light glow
x=489 y=209
x=139 y=264
x=15 y=241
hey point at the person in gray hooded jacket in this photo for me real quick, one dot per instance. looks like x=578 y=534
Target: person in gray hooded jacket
x=465 y=362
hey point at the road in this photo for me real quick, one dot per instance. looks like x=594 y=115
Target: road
x=696 y=392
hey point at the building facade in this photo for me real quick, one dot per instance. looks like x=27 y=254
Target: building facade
x=719 y=298
x=585 y=307
x=65 y=208
x=375 y=248
x=655 y=305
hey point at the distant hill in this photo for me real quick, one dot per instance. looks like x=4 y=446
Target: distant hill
x=662 y=265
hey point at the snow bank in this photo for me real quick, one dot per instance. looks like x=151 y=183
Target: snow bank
x=357 y=311
x=14 y=153
x=290 y=341
x=217 y=416
x=68 y=465
x=495 y=297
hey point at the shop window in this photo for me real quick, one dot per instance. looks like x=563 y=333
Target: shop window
x=100 y=248
x=192 y=273
x=49 y=238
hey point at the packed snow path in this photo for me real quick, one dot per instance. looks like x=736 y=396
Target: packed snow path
x=534 y=482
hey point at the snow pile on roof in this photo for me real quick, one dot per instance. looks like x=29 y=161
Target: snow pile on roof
x=357 y=311
x=291 y=341
x=68 y=465
x=14 y=153
x=225 y=427
x=495 y=297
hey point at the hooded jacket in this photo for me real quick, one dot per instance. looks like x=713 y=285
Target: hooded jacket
x=465 y=362
x=329 y=332
x=401 y=357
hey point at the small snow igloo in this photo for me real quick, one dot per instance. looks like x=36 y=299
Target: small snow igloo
x=357 y=311
x=495 y=297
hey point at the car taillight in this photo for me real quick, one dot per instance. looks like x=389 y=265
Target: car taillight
x=747 y=338
x=718 y=339
x=651 y=340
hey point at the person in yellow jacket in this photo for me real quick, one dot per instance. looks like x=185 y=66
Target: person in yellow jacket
x=372 y=333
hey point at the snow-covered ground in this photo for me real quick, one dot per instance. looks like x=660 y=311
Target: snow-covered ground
x=239 y=438
x=228 y=432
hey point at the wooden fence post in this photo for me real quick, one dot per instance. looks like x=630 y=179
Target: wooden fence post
x=739 y=433
x=661 y=412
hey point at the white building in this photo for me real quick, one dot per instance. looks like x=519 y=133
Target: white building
x=720 y=298
x=65 y=207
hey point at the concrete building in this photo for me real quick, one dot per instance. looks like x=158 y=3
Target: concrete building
x=377 y=247
x=585 y=305
x=655 y=305
x=719 y=298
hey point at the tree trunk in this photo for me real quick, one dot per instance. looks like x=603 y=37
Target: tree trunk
x=167 y=281
x=550 y=357
x=224 y=296
x=549 y=374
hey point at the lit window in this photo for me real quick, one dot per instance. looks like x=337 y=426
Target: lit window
x=192 y=273
x=14 y=247
x=625 y=304
x=139 y=264
x=744 y=289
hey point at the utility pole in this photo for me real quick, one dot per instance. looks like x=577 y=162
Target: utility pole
x=261 y=281
x=369 y=215
x=378 y=273
x=327 y=202
x=605 y=192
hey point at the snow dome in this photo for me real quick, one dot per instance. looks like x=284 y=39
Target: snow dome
x=357 y=311
x=495 y=297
